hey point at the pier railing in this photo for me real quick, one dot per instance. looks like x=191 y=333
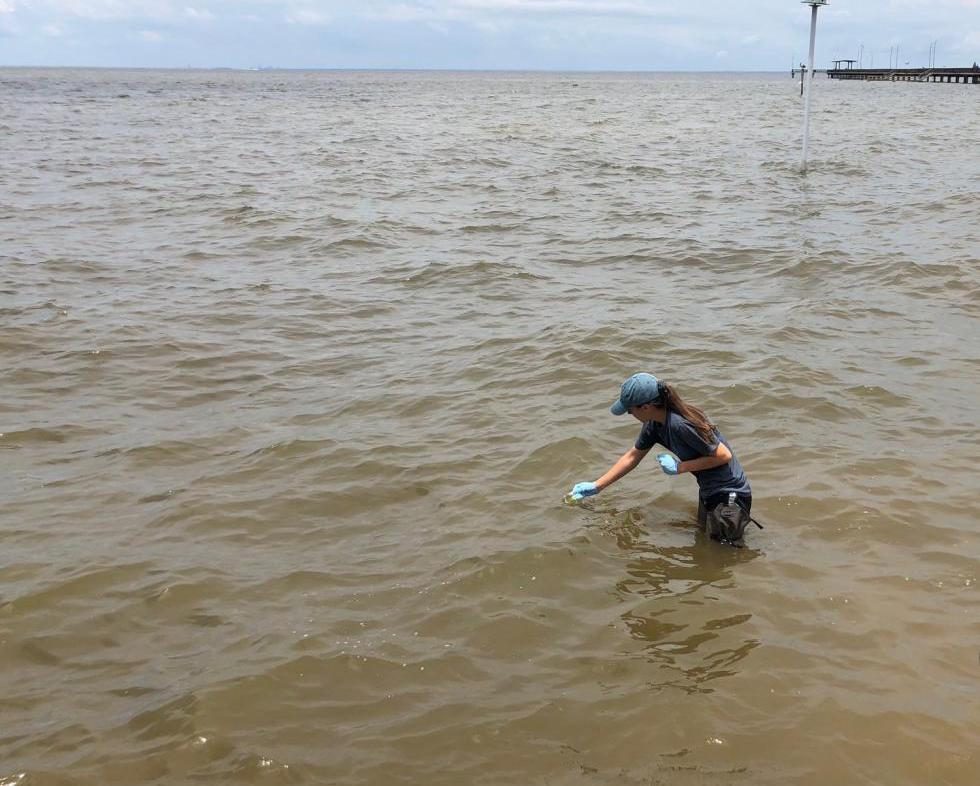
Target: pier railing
x=952 y=75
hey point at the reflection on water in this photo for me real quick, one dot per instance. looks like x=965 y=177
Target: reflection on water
x=684 y=589
x=696 y=652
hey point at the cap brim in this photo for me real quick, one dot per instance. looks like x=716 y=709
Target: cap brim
x=618 y=408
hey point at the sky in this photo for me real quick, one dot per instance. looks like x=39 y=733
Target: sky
x=617 y=35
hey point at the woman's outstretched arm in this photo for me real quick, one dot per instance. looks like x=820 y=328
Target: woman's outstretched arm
x=626 y=464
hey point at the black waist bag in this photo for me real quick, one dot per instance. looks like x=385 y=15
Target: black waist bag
x=726 y=523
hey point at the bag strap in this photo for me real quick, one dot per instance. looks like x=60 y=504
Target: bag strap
x=750 y=517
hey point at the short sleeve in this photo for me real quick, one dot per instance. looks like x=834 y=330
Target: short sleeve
x=648 y=437
x=689 y=436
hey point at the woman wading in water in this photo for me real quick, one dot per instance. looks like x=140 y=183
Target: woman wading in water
x=724 y=494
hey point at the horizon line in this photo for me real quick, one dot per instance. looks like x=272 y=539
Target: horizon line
x=383 y=69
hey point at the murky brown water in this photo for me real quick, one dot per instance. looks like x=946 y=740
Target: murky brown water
x=298 y=366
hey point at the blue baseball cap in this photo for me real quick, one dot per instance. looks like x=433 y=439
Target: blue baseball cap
x=637 y=390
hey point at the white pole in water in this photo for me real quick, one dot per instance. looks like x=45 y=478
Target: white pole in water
x=814 y=5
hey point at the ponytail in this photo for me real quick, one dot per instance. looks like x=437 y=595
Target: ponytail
x=671 y=401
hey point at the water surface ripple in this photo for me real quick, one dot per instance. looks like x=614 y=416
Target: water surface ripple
x=298 y=366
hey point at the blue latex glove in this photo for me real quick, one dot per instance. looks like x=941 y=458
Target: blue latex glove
x=583 y=490
x=667 y=463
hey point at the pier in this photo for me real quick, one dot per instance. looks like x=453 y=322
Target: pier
x=951 y=75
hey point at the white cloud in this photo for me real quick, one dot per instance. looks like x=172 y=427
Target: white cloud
x=470 y=10
x=201 y=15
x=307 y=16
x=587 y=7
x=107 y=10
x=402 y=12
x=489 y=26
x=496 y=33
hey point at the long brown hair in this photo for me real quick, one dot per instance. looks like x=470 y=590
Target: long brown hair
x=692 y=414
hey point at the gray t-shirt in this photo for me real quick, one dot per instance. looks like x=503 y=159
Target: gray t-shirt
x=682 y=439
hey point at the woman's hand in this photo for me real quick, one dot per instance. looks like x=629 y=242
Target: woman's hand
x=583 y=490
x=668 y=464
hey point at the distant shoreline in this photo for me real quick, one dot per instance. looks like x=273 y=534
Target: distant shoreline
x=379 y=70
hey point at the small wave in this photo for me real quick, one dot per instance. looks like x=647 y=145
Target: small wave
x=37 y=435
x=438 y=273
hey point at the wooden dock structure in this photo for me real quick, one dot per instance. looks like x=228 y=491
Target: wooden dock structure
x=952 y=75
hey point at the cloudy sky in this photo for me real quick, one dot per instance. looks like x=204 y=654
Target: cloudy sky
x=699 y=35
